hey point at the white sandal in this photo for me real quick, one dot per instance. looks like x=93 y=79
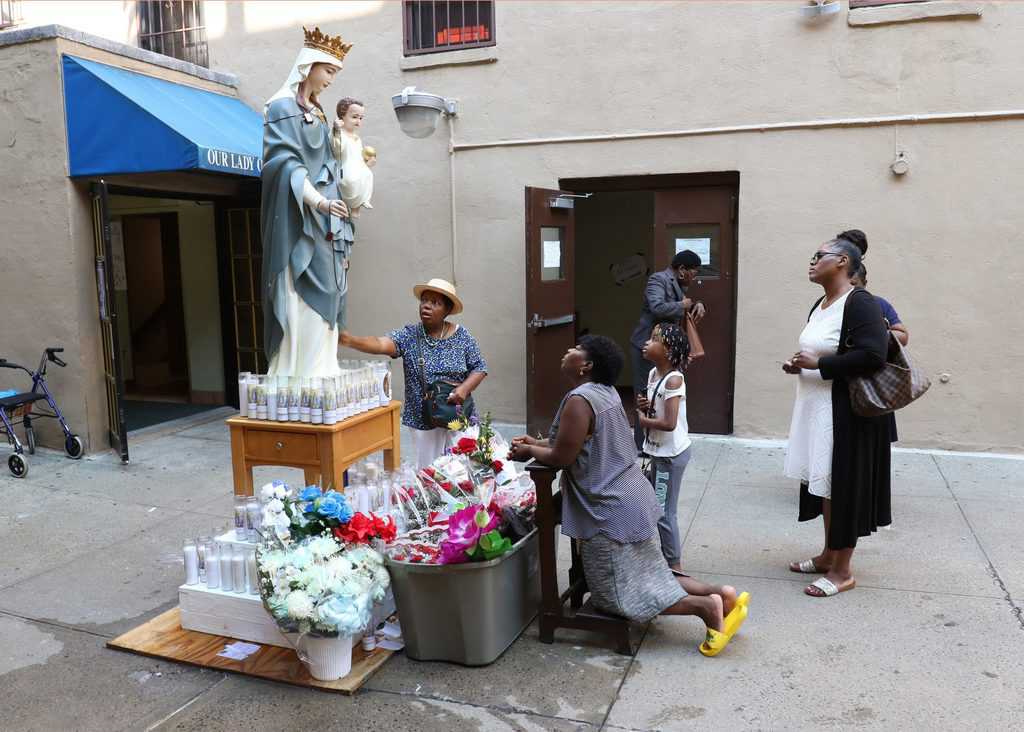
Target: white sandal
x=806 y=567
x=828 y=587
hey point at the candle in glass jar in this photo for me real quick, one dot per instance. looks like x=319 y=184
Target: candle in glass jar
x=272 y=398
x=212 y=567
x=191 y=556
x=241 y=529
x=294 y=397
x=253 y=519
x=226 y=573
x=254 y=580
x=238 y=575
x=243 y=393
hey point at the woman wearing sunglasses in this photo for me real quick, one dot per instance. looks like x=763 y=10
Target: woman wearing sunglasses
x=840 y=458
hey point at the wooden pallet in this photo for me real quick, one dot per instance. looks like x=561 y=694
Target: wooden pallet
x=163 y=637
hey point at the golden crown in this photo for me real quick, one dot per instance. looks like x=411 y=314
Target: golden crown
x=332 y=45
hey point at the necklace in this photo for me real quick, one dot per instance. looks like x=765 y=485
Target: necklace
x=432 y=342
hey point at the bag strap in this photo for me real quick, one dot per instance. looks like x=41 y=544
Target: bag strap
x=423 y=362
x=657 y=386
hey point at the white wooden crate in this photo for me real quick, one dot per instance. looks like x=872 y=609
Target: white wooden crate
x=242 y=616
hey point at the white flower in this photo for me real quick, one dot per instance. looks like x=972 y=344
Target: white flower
x=267 y=492
x=323 y=547
x=280 y=491
x=299 y=605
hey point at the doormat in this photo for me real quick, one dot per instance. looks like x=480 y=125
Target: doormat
x=163 y=637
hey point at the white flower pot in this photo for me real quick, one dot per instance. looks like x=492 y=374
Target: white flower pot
x=328 y=659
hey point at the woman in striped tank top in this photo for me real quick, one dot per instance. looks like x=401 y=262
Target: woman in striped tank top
x=609 y=507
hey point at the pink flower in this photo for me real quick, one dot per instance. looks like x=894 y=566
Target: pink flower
x=465 y=527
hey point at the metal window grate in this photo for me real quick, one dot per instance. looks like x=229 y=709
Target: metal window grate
x=10 y=13
x=433 y=26
x=174 y=28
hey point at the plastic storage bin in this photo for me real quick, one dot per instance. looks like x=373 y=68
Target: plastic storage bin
x=467 y=613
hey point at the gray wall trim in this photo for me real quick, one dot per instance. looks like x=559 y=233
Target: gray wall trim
x=45 y=32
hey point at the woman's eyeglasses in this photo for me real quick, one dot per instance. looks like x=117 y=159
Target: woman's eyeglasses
x=820 y=255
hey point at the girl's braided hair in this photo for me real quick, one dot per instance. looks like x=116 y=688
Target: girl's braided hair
x=676 y=343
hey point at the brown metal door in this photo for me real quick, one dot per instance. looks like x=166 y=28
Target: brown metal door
x=550 y=301
x=703 y=220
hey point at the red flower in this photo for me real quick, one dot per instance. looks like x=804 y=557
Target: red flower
x=385 y=529
x=359 y=529
x=498 y=466
x=465 y=446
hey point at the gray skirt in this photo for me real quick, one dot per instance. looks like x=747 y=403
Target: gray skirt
x=629 y=580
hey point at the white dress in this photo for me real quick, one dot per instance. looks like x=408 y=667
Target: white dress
x=809 y=453
x=356 y=185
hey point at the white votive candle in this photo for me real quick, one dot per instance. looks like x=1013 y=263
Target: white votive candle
x=191 y=564
x=238 y=578
x=226 y=575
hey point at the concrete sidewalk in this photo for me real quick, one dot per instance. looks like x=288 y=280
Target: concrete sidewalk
x=932 y=637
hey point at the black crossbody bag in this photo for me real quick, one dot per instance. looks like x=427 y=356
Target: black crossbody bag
x=437 y=411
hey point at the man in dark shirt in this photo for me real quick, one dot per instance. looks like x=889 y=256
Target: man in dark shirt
x=665 y=301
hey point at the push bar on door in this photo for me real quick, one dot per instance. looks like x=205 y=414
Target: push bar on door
x=538 y=322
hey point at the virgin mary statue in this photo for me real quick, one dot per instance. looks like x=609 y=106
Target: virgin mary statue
x=307 y=238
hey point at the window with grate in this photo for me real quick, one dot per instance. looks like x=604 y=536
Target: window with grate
x=174 y=28
x=433 y=26
x=10 y=13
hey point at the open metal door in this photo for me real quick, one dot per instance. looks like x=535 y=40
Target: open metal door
x=550 y=300
x=108 y=320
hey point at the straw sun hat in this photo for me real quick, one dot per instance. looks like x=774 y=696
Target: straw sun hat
x=443 y=287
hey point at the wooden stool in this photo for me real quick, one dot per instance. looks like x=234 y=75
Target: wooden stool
x=322 y=451
x=552 y=604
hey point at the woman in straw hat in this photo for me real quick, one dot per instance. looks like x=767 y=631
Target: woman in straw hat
x=431 y=350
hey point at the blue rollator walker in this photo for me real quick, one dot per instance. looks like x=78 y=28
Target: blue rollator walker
x=21 y=404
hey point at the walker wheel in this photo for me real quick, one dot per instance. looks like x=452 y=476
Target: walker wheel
x=30 y=437
x=18 y=465
x=73 y=447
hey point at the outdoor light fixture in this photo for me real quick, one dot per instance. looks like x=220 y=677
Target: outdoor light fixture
x=418 y=112
x=818 y=8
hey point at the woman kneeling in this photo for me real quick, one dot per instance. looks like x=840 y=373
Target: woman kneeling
x=609 y=506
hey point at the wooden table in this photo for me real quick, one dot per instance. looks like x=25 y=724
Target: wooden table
x=322 y=451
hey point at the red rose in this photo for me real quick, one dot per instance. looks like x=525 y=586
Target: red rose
x=385 y=529
x=465 y=445
x=359 y=529
x=498 y=466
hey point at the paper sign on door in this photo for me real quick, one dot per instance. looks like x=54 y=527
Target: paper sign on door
x=701 y=247
x=552 y=255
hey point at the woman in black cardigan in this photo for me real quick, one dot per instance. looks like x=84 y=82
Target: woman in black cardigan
x=850 y=488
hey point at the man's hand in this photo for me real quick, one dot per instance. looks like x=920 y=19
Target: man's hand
x=699 y=311
x=789 y=368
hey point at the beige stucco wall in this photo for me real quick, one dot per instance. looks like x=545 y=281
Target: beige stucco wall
x=941 y=237
x=47 y=282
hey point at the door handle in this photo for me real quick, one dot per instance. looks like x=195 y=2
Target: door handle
x=537 y=322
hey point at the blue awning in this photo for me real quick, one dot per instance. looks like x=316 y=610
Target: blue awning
x=121 y=121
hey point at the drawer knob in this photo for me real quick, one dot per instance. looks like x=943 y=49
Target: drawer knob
x=279 y=445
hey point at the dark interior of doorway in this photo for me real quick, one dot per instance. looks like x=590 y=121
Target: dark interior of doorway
x=160 y=232
x=614 y=241
x=156 y=313
x=624 y=230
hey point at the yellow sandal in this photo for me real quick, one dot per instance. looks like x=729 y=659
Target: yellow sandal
x=714 y=642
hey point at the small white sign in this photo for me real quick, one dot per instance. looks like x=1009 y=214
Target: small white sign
x=701 y=247
x=552 y=255
x=239 y=651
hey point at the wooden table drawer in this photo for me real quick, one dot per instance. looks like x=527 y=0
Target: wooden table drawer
x=275 y=446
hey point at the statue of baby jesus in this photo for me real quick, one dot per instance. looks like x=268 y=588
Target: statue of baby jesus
x=356 y=185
